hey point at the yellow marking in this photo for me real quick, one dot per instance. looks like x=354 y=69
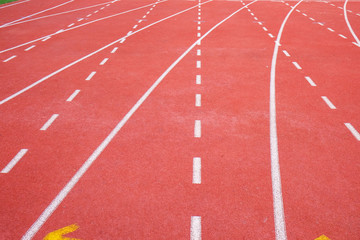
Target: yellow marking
x=323 y=237
x=58 y=234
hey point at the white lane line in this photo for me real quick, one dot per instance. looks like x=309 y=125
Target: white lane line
x=265 y=29
x=34 y=14
x=286 y=53
x=296 y=65
x=340 y=8
x=89 y=15
x=198 y=42
x=35 y=227
x=198 y=79
x=310 y=81
x=49 y=122
x=114 y=50
x=14 y=161
x=353 y=131
x=135 y=26
x=197 y=129
x=148 y=12
x=198 y=52
x=102 y=8
x=328 y=102
x=305 y=14
x=252 y=14
x=144 y=16
x=90 y=76
x=198 y=28
x=96 y=11
x=332 y=4
x=260 y=23
x=104 y=61
x=255 y=18
x=122 y=40
x=342 y=36
x=349 y=25
x=199 y=18
x=70 y=25
x=356 y=44
x=196 y=170
x=199 y=22
x=60 y=31
x=298 y=10
x=198 y=100
x=29 y=48
x=279 y=218
x=73 y=95
x=198 y=64
x=8 y=59
x=330 y=29
x=108 y=5
x=80 y=19
x=45 y=39
x=129 y=33
x=10 y=5
x=195 y=228
x=270 y=35
x=151 y=9
x=311 y=19
x=140 y=21
x=321 y=24
x=198 y=34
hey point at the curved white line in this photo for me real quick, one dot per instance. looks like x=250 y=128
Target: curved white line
x=34 y=14
x=71 y=184
x=9 y=5
x=279 y=218
x=89 y=55
x=69 y=29
x=349 y=26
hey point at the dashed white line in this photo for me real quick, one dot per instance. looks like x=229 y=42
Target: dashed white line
x=321 y=24
x=265 y=29
x=198 y=79
x=80 y=19
x=104 y=61
x=196 y=170
x=90 y=76
x=198 y=100
x=312 y=19
x=195 y=228
x=60 y=31
x=340 y=8
x=45 y=39
x=148 y=12
x=252 y=14
x=342 y=36
x=140 y=21
x=114 y=50
x=122 y=40
x=332 y=4
x=8 y=59
x=108 y=5
x=353 y=131
x=198 y=52
x=130 y=32
x=270 y=35
x=89 y=15
x=198 y=64
x=330 y=29
x=296 y=65
x=29 y=48
x=297 y=10
x=286 y=53
x=328 y=102
x=260 y=23
x=255 y=18
x=135 y=26
x=72 y=24
x=197 y=129
x=14 y=161
x=49 y=122
x=198 y=28
x=73 y=95
x=310 y=81
x=102 y=8
x=96 y=11
x=304 y=14
x=199 y=34
x=144 y=16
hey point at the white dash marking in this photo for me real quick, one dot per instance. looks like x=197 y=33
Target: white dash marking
x=144 y=16
x=286 y=53
x=73 y=95
x=252 y=14
x=102 y=8
x=29 y=48
x=79 y=20
x=304 y=14
x=296 y=65
x=330 y=29
x=195 y=228
x=198 y=52
x=272 y=36
x=260 y=23
x=60 y=31
x=310 y=81
x=340 y=7
x=342 y=36
x=130 y=32
x=96 y=11
x=154 y=6
x=199 y=34
x=122 y=40
x=148 y=12
x=70 y=25
x=49 y=122
x=140 y=21
x=321 y=24
x=328 y=102
x=353 y=131
x=256 y=18
x=135 y=26
x=265 y=29
x=199 y=18
x=8 y=59
x=297 y=10
x=198 y=100
x=198 y=28
x=14 y=161
x=108 y=5
x=196 y=170
x=197 y=129
x=312 y=19
x=104 y=61
x=89 y=15
x=198 y=79
x=90 y=76
x=45 y=39
x=332 y=4
x=114 y=50
x=198 y=64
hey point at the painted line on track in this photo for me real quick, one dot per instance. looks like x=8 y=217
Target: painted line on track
x=197 y=129
x=30 y=233
x=104 y=61
x=49 y=122
x=10 y=5
x=9 y=59
x=196 y=170
x=29 y=48
x=198 y=100
x=90 y=76
x=195 y=228
x=357 y=41
x=354 y=132
x=310 y=81
x=73 y=95
x=14 y=161
x=286 y=53
x=114 y=50
x=279 y=217
x=328 y=102
x=198 y=79
x=297 y=65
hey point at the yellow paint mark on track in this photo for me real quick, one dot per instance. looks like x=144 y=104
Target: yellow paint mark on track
x=58 y=234
x=323 y=237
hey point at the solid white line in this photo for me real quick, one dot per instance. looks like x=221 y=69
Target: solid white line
x=49 y=122
x=342 y=36
x=272 y=36
x=198 y=100
x=349 y=25
x=74 y=180
x=8 y=59
x=328 y=102
x=31 y=15
x=114 y=50
x=198 y=79
x=311 y=82
x=198 y=64
x=198 y=52
x=330 y=29
x=196 y=170
x=90 y=76
x=60 y=31
x=104 y=61
x=72 y=96
x=353 y=131
x=72 y=24
x=10 y=5
x=197 y=129
x=144 y=16
x=356 y=44
x=14 y=161
x=195 y=228
x=296 y=65
x=279 y=218
x=286 y=53
x=29 y=48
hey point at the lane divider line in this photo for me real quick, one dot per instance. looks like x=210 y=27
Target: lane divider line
x=310 y=81
x=10 y=58
x=114 y=50
x=29 y=48
x=354 y=132
x=197 y=129
x=198 y=100
x=198 y=64
x=297 y=65
x=286 y=53
x=49 y=122
x=195 y=228
x=328 y=102
x=104 y=61
x=90 y=76
x=196 y=170
x=198 y=79
x=73 y=95
x=14 y=161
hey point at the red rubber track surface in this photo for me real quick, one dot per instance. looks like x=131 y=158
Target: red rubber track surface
x=140 y=187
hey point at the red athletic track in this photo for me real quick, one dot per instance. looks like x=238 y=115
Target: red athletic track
x=140 y=187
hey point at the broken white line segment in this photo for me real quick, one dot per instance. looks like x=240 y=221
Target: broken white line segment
x=198 y=64
x=310 y=81
x=197 y=129
x=8 y=59
x=353 y=131
x=286 y=53
x=104 y=61
x=49 y=122
x=90 y=76
x=195 y=228
x=14 y=161
x=296 y=65
x=72 y=96
x=196 y=170
x=328 y=102
x=198 y=79
x=29 y=48
x=198 y=100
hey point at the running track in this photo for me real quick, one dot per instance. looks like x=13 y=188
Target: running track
x=175 y=119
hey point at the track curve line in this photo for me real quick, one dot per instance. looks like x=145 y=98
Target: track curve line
x=357 y=41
